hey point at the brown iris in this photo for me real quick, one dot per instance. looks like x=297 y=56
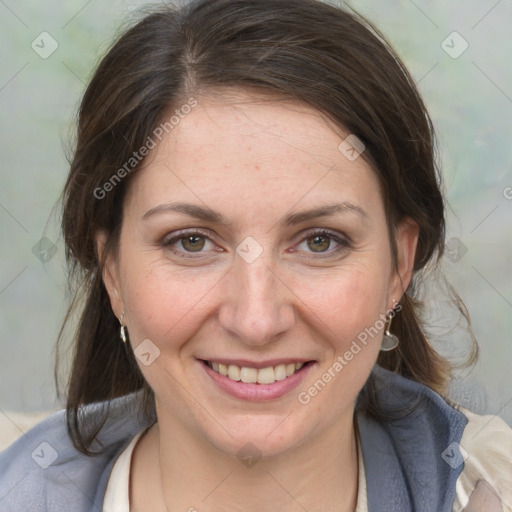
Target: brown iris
x=318 y=244
x=193 y=243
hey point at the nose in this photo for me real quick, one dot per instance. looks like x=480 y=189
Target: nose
x=257 y=306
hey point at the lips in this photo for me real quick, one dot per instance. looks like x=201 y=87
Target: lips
x=257 y=382
x=251 y=375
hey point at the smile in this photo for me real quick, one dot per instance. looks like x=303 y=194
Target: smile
x=248 y=375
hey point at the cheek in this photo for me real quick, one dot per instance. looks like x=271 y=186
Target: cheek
x=162 y=303
x=347 y=301
x=347 y=317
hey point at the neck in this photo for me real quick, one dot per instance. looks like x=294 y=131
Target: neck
x=188 y=474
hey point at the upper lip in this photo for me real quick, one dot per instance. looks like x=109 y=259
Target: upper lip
x=256 y=364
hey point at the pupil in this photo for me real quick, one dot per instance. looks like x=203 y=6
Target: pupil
x=317 y=242
x=194 y=243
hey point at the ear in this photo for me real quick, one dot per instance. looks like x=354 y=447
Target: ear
x=110 y=275
x=406 y=241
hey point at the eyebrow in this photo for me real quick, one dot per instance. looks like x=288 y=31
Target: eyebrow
x=209 y=215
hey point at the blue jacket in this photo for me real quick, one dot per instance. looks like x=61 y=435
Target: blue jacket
x=403 y=459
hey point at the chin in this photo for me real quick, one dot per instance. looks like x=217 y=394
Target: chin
x=257 y=436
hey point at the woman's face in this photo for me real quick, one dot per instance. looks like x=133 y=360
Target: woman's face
x=250 y=239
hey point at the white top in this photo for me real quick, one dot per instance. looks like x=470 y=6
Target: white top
x=117 y=496
x=486 y=445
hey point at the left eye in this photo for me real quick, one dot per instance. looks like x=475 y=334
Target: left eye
x=320 y=241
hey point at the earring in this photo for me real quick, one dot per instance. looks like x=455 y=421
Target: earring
x=389 y=341
x=123 y=328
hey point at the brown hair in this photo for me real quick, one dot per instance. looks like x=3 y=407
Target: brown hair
x=306 y=50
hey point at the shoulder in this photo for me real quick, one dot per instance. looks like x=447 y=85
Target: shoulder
x=486 y=452
x=43 y=471
x=415 y=459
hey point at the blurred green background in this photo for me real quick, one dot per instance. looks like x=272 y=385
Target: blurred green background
x=467 y=90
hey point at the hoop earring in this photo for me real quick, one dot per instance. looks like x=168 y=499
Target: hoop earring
x=389 y=341
x=122 y=330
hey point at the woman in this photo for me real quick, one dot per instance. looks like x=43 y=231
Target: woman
x=251 y=204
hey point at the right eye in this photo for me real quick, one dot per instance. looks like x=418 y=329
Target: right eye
x=192 y=241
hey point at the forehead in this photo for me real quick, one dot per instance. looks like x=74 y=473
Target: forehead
x=257 y=150
x=247 y=129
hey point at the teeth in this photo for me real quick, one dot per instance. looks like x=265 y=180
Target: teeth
x=252 y=375
x=249 y=375
x=280 y=372
x=266 y=375
x=233 y=372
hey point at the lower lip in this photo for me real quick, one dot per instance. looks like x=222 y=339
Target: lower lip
x=258 y=392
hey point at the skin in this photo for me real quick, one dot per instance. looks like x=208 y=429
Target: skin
x=253 y=160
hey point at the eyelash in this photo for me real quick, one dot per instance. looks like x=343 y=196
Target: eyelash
x=343 y=242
